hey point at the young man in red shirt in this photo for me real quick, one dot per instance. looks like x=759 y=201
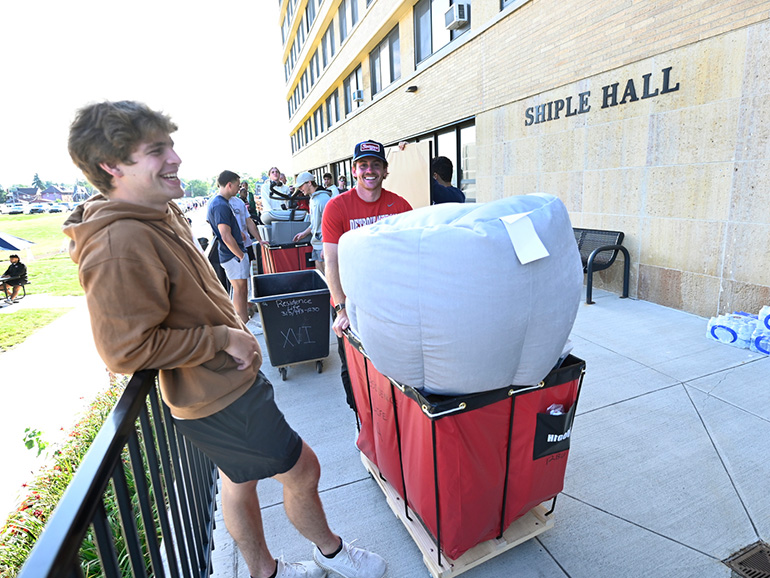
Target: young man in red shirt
x=359 y=206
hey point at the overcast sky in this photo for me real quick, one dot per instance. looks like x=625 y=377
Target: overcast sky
x=214 y=67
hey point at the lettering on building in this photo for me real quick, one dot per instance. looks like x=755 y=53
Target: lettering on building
x=612 y=95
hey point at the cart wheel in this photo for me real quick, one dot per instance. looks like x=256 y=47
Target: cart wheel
x=283 y=372
x=319 y=366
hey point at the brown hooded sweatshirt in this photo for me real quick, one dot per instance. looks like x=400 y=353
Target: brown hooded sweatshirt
x=156 y=303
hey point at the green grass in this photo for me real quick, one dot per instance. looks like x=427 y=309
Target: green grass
x=49 y=268
x=16 y=327
x=43 y=229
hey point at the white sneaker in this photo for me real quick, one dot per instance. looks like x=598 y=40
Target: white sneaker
x=298 y=570
x=352 y=562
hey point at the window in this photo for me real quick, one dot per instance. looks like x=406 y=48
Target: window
x=315 y=70
x=385 y=62
x=458 y=144
x=347 y=15
x=310 y=13
x=284 y=30
x=429 y=27
x=327 y=45
x=351 y=84
x=342 y=20
x=332 y=109
x=318 y=120
x=301 y=33
x=467 y=163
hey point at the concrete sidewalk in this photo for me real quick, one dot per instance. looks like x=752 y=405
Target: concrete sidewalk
x=47 y=382
x=666 y=474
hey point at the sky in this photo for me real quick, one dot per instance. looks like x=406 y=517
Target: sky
x=214 y=67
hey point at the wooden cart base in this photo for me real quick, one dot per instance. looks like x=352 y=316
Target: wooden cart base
x=533 y=523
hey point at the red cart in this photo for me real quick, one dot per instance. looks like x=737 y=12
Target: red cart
x=470 y=468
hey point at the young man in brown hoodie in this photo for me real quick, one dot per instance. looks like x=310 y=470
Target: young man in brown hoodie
x=156 y=303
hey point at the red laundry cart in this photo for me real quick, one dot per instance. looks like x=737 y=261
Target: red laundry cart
x=285 y=258
x=468 y=466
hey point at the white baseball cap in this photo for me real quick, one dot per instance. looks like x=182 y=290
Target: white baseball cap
x=303 y=178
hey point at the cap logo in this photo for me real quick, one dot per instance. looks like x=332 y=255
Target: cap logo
x=370 y=147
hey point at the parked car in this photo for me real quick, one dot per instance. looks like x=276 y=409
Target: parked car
x=34 y=208
x=55 y=208
x=13 y=209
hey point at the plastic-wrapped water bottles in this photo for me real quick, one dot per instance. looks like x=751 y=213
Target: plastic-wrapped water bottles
x=764 y=318
x=722 y=329
x=760 y=337
x=733 y=329
x=760 y=341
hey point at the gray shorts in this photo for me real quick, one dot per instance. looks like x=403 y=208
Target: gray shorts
x=249 y=439
x=316 y=255
x=235 y=269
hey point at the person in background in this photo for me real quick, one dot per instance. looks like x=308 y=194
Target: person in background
x=362 y=205
x=329 y=184
x=180 y=320
x=307 y=186
x=13 y=278
x=248 y=197
x=342 y=183
x=232 y=247
x=441 y=189
x=274 y=194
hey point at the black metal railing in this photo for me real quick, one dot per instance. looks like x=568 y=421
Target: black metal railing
x=163 y=506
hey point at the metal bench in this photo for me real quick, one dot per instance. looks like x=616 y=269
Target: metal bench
x=598 y=251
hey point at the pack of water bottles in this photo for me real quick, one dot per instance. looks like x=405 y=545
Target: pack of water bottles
x=742 y=330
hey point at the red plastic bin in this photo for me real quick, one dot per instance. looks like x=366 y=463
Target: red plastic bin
x=286 y=258
x=470 y=465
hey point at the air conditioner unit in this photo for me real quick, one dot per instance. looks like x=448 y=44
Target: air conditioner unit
x=458 y=16
x=358 y=96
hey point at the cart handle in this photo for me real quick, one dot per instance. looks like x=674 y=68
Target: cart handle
x=463 y=405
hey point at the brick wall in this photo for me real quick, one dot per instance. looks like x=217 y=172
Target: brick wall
x=682 y=174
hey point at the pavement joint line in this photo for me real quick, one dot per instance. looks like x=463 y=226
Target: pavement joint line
x=724 y=465
x=650 y=530
x=555 y=561
x=620 y=402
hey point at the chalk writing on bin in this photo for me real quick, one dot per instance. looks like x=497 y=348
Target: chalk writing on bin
x=298 y=306
x=299 y=336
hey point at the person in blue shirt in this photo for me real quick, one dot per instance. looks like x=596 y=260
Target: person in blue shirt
x=441 y=189
x=231 y=247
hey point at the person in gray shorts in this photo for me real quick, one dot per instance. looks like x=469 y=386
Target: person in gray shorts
x=180 y=320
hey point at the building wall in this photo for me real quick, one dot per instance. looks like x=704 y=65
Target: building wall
x=681 y=172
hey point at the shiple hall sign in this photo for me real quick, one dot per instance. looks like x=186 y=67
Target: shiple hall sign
x=648 y=87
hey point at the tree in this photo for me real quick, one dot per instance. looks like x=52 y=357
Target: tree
x=197 y=188
x=37 y=182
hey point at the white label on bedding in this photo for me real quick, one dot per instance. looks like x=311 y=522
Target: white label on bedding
x=525 y=240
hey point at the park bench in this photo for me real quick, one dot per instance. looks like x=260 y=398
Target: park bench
x=598 y=251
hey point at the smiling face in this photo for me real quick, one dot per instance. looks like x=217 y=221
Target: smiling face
x=150 y=176
x=275 y=175
x=369 y=173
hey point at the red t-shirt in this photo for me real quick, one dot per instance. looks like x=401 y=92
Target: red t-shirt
x=348 y=211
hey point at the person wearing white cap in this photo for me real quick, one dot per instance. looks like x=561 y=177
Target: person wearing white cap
x=306 y=185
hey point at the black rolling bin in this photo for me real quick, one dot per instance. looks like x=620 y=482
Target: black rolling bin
x=294 y=310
